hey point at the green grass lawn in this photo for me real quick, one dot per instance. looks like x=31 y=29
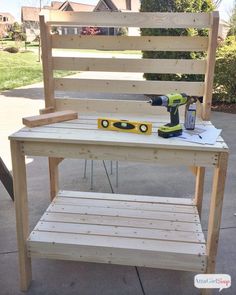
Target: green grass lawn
x=20 y=69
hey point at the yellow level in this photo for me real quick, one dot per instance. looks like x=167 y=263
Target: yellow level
x=125 y=126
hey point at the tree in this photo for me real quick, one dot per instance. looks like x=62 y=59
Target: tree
x=174 y=6
x=16 y=32
x=232 y=23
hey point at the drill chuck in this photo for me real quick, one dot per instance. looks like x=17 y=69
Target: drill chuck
x=161 y=100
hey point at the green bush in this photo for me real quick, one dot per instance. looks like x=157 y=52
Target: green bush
x=16 y=32
x=225 y=72
x=174 y=6
x=11 y=49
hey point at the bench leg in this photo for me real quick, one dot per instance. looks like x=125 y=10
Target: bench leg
x=199 y=188
x=21 y=209
x=53 y=175
x=215 y=214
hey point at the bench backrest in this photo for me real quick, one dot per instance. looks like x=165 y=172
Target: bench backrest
x=51 y=63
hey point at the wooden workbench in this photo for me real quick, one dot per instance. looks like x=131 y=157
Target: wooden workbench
x=147 y=231
x=122 y=229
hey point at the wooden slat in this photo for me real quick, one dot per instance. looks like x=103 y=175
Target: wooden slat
x=101 y=140
x=21 y=211
x=133 y=109
x=47 y=248
x=122 y=221
x=53 y=176
x=91 y=119
x=183 y=217
x=162 y=254
x=49 y=118
x=126 y=205
x=128 y=86
x=148 y=43
x=118 y=231
x=216 y=206
x=125 y=243
x=45 y=40
x=134 y=19
x=199 y=188
x=163 y=66
x=182 y=202
x=209 y=77
x=46 y=110
x=111 y=106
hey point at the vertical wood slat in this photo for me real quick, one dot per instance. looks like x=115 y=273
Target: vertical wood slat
x=46 y=45
x=216 y=211
x=209 y=76
x=199 y=188
x=54 y=175
x=21 y=209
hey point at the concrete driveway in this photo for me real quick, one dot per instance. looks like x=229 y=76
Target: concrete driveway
x=74 y=278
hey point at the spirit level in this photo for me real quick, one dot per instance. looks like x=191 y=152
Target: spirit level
x=125 y=126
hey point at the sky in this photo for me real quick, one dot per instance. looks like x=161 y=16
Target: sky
x=13 y=6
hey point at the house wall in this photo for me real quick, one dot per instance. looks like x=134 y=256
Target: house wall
x=223 y=30
x=4 y=28
x=31 y=29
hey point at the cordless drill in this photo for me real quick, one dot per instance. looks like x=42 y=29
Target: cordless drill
x=172 y=101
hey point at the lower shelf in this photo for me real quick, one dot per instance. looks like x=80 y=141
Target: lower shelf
x=121 y=229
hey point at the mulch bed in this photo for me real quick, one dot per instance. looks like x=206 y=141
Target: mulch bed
x=224 y=107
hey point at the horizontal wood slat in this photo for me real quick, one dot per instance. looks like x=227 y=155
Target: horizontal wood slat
x=80 y=201
x=105 y=107
x=186 y=203
x=119 y=231
x=92 y=249
x=149 y=43
x=128 y=86
x=143 y=214
x=122 y=221
x=163 y=66
x=126 y=19
x=126 y=243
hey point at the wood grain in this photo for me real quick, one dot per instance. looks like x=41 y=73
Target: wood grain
x=134 y=19
x=49 y=118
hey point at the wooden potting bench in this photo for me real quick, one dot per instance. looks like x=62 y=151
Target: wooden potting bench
x=161 y=232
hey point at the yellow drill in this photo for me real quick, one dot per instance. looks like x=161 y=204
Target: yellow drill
x=172 y=101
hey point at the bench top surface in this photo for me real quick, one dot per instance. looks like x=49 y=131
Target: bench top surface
x=85 y=131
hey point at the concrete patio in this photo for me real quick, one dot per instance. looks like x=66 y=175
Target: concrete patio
x=52 y=277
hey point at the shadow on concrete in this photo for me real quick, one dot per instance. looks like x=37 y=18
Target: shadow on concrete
x=37 y=93
x=30 y=93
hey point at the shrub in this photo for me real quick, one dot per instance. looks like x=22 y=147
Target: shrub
x=16 y=32
x=225 y=73
x=12 y=49
x=174 y=6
